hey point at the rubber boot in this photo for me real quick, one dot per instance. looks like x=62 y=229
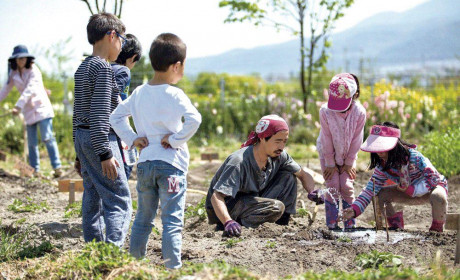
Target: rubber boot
x=284 y=220
x=332 y=213
x=348 y=224
x=396 y=221
x=437 y=225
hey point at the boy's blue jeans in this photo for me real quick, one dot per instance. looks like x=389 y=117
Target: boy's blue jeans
x=158 y=181
x=106 y=204
x=46 y=131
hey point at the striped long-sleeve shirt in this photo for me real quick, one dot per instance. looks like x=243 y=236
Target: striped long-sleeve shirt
x=96 y=96
x=415 y=179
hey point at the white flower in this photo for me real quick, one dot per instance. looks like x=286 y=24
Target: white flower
x=214 y=111
x=220 y=129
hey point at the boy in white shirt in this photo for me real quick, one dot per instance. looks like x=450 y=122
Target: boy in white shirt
x=157 y=109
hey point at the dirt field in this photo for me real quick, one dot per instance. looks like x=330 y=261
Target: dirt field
x=270 y=250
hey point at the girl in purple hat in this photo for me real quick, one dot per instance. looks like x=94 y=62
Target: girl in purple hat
x=417 y=181
x=342 y=122
x=34 y=104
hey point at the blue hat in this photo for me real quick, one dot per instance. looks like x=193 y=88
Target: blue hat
x=20 y=51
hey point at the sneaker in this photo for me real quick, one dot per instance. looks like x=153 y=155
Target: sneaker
x=57 y=172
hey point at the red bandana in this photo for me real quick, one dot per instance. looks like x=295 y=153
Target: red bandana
x=266 y=127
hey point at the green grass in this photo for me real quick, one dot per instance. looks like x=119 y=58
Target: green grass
x=15 y=245
x=344 y=239
x=270 y=244
x=198 y=210
x=73 y=210
x=375 y=259
x=231 y=242
x=99 y=260
x=27 y=205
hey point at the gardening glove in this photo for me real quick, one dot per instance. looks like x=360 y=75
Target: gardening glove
x=315 y=197
x=232 y=228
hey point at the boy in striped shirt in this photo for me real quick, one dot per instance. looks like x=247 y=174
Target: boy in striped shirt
x=106 y=201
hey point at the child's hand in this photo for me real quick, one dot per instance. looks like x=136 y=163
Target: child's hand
x=15 y=111
x=348 y=213
x=141 y=142
x=350 y=170
x=165 y=141
x=109 y=168
x=329 y=171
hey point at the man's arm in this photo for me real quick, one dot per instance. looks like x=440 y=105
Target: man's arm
x=307 y=180
x=218 y=203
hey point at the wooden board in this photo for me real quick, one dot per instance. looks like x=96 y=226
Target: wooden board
x=24 y=168
x=209 y=156
x=452 y=221
x=64 y=185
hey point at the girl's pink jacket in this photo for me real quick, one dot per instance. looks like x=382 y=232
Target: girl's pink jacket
x=341 y=134
x=34 y=101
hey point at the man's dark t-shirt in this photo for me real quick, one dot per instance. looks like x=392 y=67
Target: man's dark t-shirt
x=241 y=174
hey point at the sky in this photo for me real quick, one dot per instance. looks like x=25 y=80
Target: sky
x=40 y=24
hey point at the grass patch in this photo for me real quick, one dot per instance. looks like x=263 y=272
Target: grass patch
x=198 y=210
x=231 y=242
x=270 y=244
x=73 y=210
x=376 y=259
x=28 y=205
x=344 y=239
x=15 y=245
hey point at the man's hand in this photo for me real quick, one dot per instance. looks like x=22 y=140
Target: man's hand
x=77 y=166
x=350 y=170
x=109 y=168
x=165 y=141
x=348 y=213
x=329 y=172
x=141 y=142
x=232 y=228
x=315 y=197
x=15 y=111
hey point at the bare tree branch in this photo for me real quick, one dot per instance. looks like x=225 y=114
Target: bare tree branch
x=121 y=7
x=97 y=5
x=103 y=8
x=89 y=6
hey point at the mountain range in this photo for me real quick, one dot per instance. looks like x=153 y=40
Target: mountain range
x=424 y=34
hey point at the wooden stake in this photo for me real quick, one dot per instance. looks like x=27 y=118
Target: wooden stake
x=386 y=221
x=375 y=204
x=72 y=192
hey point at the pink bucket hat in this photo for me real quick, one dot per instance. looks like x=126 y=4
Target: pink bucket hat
x=381 y=139
x=341 y=91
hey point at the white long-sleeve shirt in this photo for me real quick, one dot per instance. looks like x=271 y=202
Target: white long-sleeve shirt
x=157 y=110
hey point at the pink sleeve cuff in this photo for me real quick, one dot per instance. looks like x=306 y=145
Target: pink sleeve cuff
x=356 y=209
x=349 y=161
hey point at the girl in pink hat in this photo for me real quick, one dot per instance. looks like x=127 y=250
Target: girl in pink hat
x=417 y=181
x=342 y=122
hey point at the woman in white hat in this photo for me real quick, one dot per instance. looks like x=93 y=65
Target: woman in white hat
x=34 y=104
x=416 y=181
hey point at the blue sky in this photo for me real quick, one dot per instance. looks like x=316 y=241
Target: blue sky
x=41 y=23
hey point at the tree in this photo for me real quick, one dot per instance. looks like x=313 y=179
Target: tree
x=117 y=7
x=295 y=16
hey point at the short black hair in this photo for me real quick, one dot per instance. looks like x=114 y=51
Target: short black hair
x=131 y=47
x=397 y=157
x=167 y=49
x=100 y=24
x=14 y=65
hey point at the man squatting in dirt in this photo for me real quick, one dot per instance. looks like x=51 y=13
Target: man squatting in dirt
x=257 y=183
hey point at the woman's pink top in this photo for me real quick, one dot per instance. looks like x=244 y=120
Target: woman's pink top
x=34 y=101
x=341 y=134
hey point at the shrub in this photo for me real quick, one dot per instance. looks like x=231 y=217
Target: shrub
x=442 y=148
x=375 y=259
